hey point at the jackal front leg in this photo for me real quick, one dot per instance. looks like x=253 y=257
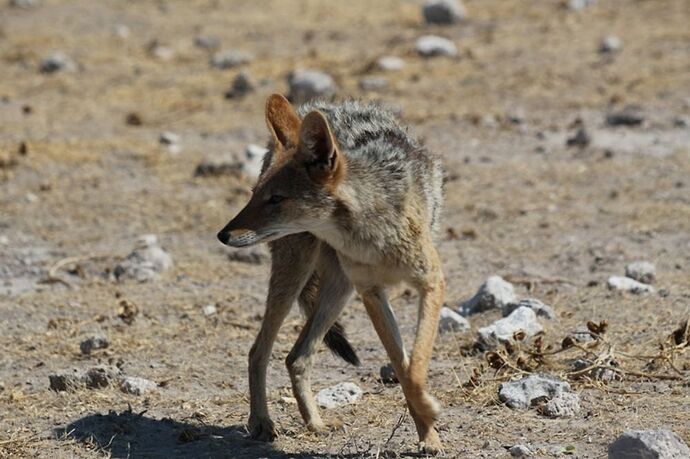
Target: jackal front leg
x=293 y=260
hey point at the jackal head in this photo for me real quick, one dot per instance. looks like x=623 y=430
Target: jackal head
x=297 y=189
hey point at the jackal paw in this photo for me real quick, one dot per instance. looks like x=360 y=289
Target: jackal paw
x=431 y=448
x=262 y=429
x=321 y=427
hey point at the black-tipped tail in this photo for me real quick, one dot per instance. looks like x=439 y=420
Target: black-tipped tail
x=337 y=342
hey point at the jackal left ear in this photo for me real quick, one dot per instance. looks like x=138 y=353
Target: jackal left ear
x=318 y=149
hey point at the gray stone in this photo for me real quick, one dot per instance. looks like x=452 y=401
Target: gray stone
x=641 y=271
x=338 y=395
x=629 y=116
x=579 y=5
x=541 y=309
x=563 y=405
x=169 y=138
x=432 y=46
x=93 y=343
x=649 y=444
x=520 y=451
x=210 y=42
x=254 y=159
x=494 y=293
x=387 y=374
x=57 y=62
x=390 y=63
x=452 y=321
x=626 y=284
x=522 y=319
x=210 y=310
x=136 y=386
x=94 y=378
x=531 y=390
x=373 y=83
x=443 y=12
x=229 y=59
x=306 y=84
x=241 y=86
x=145 y=262
x=610 y=44
x=681 y=121
x=580 y=139
x=598 y=374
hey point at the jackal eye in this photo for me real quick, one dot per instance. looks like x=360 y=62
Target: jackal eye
x=275 y=199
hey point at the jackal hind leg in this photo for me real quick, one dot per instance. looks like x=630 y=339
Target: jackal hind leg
x=334 y=292
x=293 y=262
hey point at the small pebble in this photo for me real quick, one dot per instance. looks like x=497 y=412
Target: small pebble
x=338 y=395
x=306 y=84
x=373 y=83
x=610 y=44
x=433 y=46
x=241 y=86
x=229 y=59
x=443 y=12
x=93 y=343
x=390 y=63
x=57 y=62
x=626 y=284
x=641 y=271
x=136 y=386
x=210 y=310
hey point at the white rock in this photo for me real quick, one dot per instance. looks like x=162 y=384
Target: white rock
x=254 y=159
x=210 y=310
x=523 y=393
x=652 y=444
x=502 y=331
x=136 y=386
x=57 y=62
x=443 y=11
x=641 y=271
x=579 y=5
x=228 y=59
x=390 y=63
x=169 y=138
x=162 y=52
x=520 y=451
x=306 y=84
x=541 y=309
x=452 y=321
x=494 y=293
x=145 y=262
x=563 y=405
x=432 y=46
x=338 y=395
x=626 y=284
x=373 y=83
x=610 y=44
x=93 y=342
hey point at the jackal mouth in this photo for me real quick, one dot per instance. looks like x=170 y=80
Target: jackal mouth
x=246 y=238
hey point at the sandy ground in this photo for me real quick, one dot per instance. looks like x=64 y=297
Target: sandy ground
x=520 y=203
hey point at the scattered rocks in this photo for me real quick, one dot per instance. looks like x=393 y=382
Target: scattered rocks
x=217 y=166
x=57 y=62
x=210 y=310
x=338 y=395
x=643 y=444
x=520 y=451
x=452 y=321
x=531 y=390
x=254 y=160
x=610 y=44
x=373 y=83
x=626 y=284
x=136 y=386
x=171 y=141
x=145 y=262
x=241 y=86
x=494 y=293
x=581 y=138
x=390 y=64
x=629 y=116
x=503 y=330
x=250 y=255
x=93 y=343
x=209 y=42
x=306 y=84
x=387 y=374
x=443 y=12
x=229 y=59
x=579 y=5
x=541 y=309
x=641 y=271
x=94 y=378
x=433 y=46
x=563 y=405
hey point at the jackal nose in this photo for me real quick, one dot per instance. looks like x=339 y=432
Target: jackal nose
x=223 y=236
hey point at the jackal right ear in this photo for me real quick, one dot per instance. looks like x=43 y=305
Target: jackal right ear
x=283 y=121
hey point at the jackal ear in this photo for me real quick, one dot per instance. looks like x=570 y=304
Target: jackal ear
x=317 y=147
x=282 y=121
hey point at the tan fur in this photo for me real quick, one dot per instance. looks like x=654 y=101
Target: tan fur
x=327 y=219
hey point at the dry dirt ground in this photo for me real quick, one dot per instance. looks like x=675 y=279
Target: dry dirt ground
x=520 y=204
